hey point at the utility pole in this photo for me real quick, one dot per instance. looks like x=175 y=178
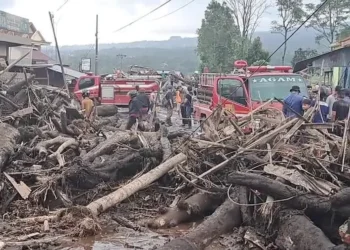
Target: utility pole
x=96 y=47
x=58 y=52
x=121 y=56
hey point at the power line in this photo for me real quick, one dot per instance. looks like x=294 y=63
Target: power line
x=62 y=5
x=160 y=6
x=173 y=11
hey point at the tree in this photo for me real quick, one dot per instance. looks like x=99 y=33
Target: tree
x=260 y=63
x=301 y=54
x=291 y=14
x=343 y=33
x=217 y=38
x=256 y=52
x=247 y=13
x=329 y=19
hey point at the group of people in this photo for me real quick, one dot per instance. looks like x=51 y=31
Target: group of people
x=331 y=106
x=184 y=104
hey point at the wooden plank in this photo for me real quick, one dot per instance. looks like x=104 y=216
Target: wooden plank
x=21 y=188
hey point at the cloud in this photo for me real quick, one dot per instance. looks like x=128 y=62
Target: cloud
x=75 y=22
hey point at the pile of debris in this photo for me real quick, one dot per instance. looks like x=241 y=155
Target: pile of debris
x=281 y=183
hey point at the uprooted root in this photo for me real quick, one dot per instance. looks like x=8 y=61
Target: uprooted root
x=81 y=219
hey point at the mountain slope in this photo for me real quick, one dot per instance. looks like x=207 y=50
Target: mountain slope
x=177 y=53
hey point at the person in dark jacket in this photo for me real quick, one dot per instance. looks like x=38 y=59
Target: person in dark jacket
x=145 y=102
x=188 y=108
x=295 y=101
x=134 y=110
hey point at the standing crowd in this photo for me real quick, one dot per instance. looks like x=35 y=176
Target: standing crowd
x=330 y=107
x=140 y=105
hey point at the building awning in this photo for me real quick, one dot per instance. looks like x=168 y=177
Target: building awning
x=335 y=58
x=15 y=40
x=67 y=71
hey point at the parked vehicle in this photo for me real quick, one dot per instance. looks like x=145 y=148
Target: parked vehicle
x=113 y=89
x=245 y=89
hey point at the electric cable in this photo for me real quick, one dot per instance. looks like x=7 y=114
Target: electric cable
x=125 y=26
x=183 y=6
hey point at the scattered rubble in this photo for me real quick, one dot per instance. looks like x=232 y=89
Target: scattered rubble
x=282 y=183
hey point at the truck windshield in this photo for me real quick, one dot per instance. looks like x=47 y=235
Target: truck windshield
x=267 y=87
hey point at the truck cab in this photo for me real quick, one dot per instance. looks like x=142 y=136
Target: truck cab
x=245 y=89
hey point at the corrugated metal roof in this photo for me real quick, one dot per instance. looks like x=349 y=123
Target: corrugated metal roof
x=67 y=71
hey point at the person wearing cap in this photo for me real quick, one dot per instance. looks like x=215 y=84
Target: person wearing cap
x=331 y=99
x=293 y=101
x=134 y=110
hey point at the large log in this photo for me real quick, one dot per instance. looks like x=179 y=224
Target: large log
x=117 y=139
x=198 y=205
x=107 y=110
x=293 y=198
x=224 y=219
x=8 y=138
x=15 y=88
x=296 y=231
x=102 y=204
x=109 y=145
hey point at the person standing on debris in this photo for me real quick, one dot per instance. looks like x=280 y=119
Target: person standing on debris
x=87 y=106
x=323 y=109
x=340 y=112
x=188 y=107
x=293 y=101
x=145 y=102
x=331 y=99
x=153 y=99
x=169 y=105
x=134 y=110
x=178 y=100
x=340 y=108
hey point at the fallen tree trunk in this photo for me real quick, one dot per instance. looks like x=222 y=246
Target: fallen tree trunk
x=102 y=204
x=58 y=154
x=8 y=138
x=224 y=219
x=106 y=110
x=109 y=145
x=198 y=205
x=15 y=88
x=42 y=147
x=296 y=231
x=293 y=198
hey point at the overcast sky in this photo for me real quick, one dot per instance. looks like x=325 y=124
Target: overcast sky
x=75 y=21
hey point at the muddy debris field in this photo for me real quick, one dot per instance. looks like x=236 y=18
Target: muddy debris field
x=281 y=185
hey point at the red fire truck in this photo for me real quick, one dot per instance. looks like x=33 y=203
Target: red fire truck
x=245 y=89
x=113 y=89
